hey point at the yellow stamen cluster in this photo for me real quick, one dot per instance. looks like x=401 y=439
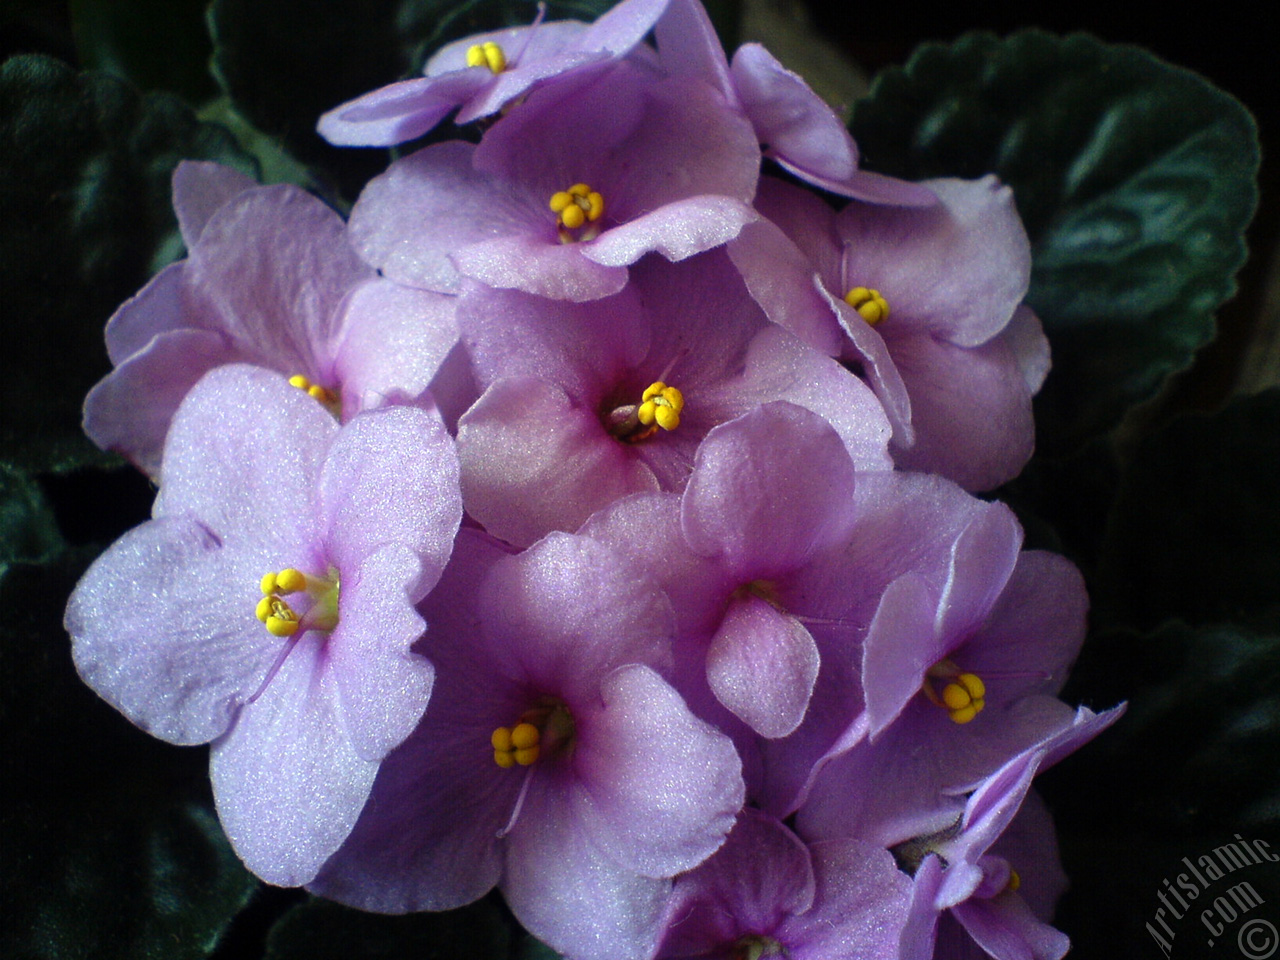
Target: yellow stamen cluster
x=518 y=744
x=1015 y=881
x=577 y=205
x=871 y=306
x=326 y=397
x=487 y=54
x=660 y=404
x=280 y=619
x=963 y=697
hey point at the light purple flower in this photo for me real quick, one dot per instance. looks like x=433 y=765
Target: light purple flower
x=268 y=607
x=270 y=280
x=622 y=789
x=926 y=302
x=481 y=74
x=764 y=894
x=566 y=192
x=799 y=131
x=558 y=434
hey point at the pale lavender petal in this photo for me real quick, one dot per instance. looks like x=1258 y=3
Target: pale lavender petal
x=287 y=782
x=1034 y=632
x=1029 y=843
x=392 y=476
x=520 y=45
x=586 y=349
x=868 y=187
x=970 y=409
x=808 y=222
x=162 y=627
x=383 y=685
x=521 y=479
x=156 y=308
x=659 y=788
x=512 y=83
x=566 y=892
x=781 y=367
x=920 y=931
x=423 y=208
x=867 y=352
x=400 y=111
x=689 y=47
x=284 y=304
x=860 y=909
x=783 y=281
x=1007 y=929
x=793 y=122
x=760 y=875
x=244 y=454
x=762 y=665
x=677 y=230
x=982 y=561
x=130 y=410
x=901 y=645
x=1024 y=336
x=569 y=610
x=200 y=188
x=534 y=264
x=395 y=340
x=957 y=270
x=768 y=489
x=622 y=27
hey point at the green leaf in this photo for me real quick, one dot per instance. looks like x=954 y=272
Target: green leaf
x=1195 y=531
x=110 y=848
x=84 y=190
x=320 y=930
x=154 y=44
x=28 y=529
x=1190 y=765
x=1135 y=180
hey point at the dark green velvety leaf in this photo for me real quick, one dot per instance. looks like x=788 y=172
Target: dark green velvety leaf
x=110 y=847
x=320 y=930
x=28 y=529
x=155 y=44
x=85 y=219
x=1192 y=764
x=1196 y=527
x=1135 y=180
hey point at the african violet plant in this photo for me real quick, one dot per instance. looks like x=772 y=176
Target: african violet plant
x=632 y=505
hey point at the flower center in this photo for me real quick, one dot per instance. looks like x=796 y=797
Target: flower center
x=755 y=946
x=487 y=54
x=575 y=208
x=659 y=406
x=326 y=398
x=543 y=730
x=279 y=616
x=871 y=306
x=961 y=694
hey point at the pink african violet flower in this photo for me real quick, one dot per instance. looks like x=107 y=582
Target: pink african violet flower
x=765 y=894
x=268 y=607
x=558 y=432
x=553 y=760
x=483 y=73
x=927 y=302
x=269 y=280
x=798 y=130
x=566 y=192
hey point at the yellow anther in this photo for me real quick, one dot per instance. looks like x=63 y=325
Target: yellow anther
x=577 y=206
x=268 y=584
x=973 y=684
x=290 y=580
x=662 y=405
x=524 y=735
x=963 y=697
x=965 y=714
x=1015 y=881
x=282 y=621
x=487 y=54
x=956 y=697
x=263 y=610
x=318 y=393
x=504 y=759
x=501 y=740
x=871 y=306
x=299 y=381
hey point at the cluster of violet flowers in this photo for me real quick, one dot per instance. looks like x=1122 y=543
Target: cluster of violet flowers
x=591 y=517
